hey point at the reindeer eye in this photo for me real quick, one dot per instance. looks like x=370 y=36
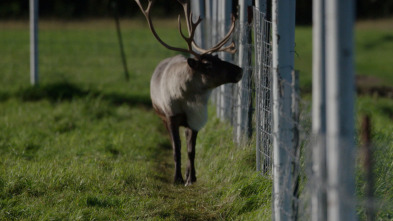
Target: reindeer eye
x=207 y=64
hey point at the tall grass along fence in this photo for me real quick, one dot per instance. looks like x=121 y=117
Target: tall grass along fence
x=266 y=108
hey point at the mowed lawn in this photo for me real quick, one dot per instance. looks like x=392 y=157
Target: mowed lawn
x=86 y=144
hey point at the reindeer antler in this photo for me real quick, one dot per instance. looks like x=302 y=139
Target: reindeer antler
x=219 y=46
x=146 y=13
x=191 y=28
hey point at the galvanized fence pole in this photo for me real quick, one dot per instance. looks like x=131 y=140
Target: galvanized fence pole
x=283 y=31
x=209 y=32
x=225 y=10
x=198 y=9
x=319 y=173
x=340 y=110
x=34 y=42
x=208 y=24
x=261 y=5
x=219 y=25
x=213 y=40
x=243 y=92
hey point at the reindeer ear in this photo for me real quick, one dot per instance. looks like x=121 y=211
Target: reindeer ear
x=192 y=63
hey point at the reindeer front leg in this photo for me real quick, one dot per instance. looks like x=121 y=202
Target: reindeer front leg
x=173 y=128
x=191 y=136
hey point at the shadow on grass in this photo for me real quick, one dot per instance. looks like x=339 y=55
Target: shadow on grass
x=387 y=38
x=163 y=167
x=64 y=91
x=4 y=96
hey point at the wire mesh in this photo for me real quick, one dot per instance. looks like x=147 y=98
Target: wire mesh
x=299 y=177
x=234 y=101
x=263 y=85
x=243 y=91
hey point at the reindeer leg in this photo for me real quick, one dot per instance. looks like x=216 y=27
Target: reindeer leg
x=173 y=128
x=191 y=136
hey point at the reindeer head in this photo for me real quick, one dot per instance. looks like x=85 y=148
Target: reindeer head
x=211 y=67
x=215 y=71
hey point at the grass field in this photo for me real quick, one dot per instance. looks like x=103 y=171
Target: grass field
x=86 y=145
x=373 y=48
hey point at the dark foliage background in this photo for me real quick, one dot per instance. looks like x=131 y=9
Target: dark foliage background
x=79 y=9
x=365 y=9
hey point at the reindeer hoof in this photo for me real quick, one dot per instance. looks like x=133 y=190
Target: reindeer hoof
x=178 y=181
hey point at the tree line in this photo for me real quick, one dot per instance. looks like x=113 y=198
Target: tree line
x=79 y=9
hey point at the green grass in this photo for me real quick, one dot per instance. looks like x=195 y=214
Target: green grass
x=381 y=112
x=86 y=145
x=374 y=46
x=373 y=52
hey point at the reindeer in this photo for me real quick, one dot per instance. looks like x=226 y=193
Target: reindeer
x=180 y=87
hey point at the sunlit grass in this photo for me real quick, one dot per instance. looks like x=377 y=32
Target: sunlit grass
x=86 y=145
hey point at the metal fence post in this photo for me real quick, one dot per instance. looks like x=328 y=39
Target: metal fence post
x=209 y=27
x=34 y=42
x=283 y=32
x=219 y=23
x=198 y=9
x=213 y=40
x=243 y=97
x=261 y=5
x=225 y=10
x=340 y=110
x=319 y=173
x=209 y=22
